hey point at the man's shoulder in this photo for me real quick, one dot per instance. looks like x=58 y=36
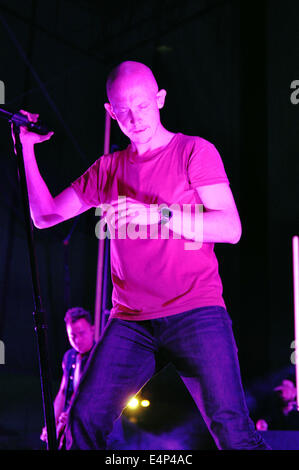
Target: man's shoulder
x=189 y=145
x=194 y=140
x=107 y=158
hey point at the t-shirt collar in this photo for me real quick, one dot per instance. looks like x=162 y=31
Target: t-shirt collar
x=135 y=158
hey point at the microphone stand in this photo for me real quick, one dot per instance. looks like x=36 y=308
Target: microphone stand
x=38 y=314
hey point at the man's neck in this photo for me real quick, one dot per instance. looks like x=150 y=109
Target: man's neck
x=161 y=139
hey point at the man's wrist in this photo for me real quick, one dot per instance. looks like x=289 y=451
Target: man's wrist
x=27 y=145
x=165 y=215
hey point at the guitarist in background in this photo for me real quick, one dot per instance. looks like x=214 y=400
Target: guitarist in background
x=80 y=332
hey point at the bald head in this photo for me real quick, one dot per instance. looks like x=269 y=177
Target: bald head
x=135 y=102
x=132 y=73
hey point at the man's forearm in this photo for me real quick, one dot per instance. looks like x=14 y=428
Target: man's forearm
x=206 y=227
x=40 y=199
x=59 y=403
x=221 y=227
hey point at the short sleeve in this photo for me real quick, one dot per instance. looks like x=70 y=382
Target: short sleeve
x=88 y=185
x=205 y=165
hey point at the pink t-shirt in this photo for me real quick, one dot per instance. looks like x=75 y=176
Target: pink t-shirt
x=154 y=278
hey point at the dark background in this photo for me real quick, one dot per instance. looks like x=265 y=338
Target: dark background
x=227 y=67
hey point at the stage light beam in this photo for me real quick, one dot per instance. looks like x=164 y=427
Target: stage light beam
x=145 y=403
x=133 y=403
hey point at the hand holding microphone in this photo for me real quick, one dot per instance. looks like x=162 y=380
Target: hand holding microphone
x=29 y=127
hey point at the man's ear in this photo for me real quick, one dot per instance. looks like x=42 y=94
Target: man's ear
x=161 y=95
x=109 y=110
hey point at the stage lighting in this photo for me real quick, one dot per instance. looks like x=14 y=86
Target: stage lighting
x=133 y=403
x=145 y=403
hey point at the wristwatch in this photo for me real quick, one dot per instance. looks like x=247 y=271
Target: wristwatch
x=165 y=215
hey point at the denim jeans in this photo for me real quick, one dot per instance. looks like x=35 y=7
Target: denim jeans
x=199 y=343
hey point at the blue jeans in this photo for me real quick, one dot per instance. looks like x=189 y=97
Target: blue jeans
x=199 y=343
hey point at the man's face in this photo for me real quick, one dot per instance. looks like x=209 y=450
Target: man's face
x=135 y=106
x=81 y=335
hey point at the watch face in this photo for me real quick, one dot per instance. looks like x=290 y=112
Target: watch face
x=166 y=215
x=165 y=212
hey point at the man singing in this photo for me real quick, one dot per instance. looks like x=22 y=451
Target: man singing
x=167 y=293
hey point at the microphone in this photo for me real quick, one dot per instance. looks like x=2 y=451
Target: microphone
x=21 y=120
